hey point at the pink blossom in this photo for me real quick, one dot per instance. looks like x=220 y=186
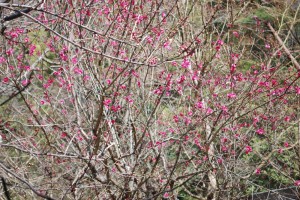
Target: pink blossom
x=63 y=55
x=231 y=95
x=164 y=16
x=224 y=149
x=32 y=48
x=46 y=85
x=2 y=60
x=26 y=67
x=279 y=54
x=198 y=40
x=63 y=135
x=108 y=81
x=248 y=149
x=255 y=120
x=74 y=60
x=134 y=73
x=224 y=108
x=297 y=90
x=86 y=78
x=14 y=34
x=153 y=61
x=187 y=120
x=167 y=45
x=260 y=131
x=257 y=171
x=163 y=133
x=209 y=111
x=166 y=195
x=232 y=68
x=56 y=73
x=196 y=141
x=129 y=99
x=220 y=42
x=287 y=118
x=199 y=105
x=40 y=76
x=235 y=33
x=149 y=40
x=50 y=80
x=107 y=102
x=123 y=87
x=185 y=63
x=69 y=86
x=195 y=76
x=176 y=118
x=5 y=80
x=158 y=90
x=116 y=108
x=297 y=183
x=224 y=140
x=114 y=43
x=181 y=79
x=220 y=161
x=9 y=52
x=286 y=144
x=25 y=82
x=78 y=71
x=267 y=46
x=42 y=102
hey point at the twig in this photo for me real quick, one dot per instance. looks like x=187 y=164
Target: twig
x=5 y=189
x=287 y=51
x=26 y=183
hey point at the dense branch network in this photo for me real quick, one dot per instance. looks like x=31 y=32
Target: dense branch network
x=147 y=99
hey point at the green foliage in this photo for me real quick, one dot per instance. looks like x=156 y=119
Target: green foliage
x=184 y=196
x=271 y=178
x=264 y=13
x=276 y=178
x=172 y=68
x=50 y=56
x=245 y=65
x=246 y=20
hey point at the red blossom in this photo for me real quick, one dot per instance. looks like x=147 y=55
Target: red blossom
x=258 y=171
x=5 y=80
x=185 y=63
x=248 y=149
x=260 y=131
